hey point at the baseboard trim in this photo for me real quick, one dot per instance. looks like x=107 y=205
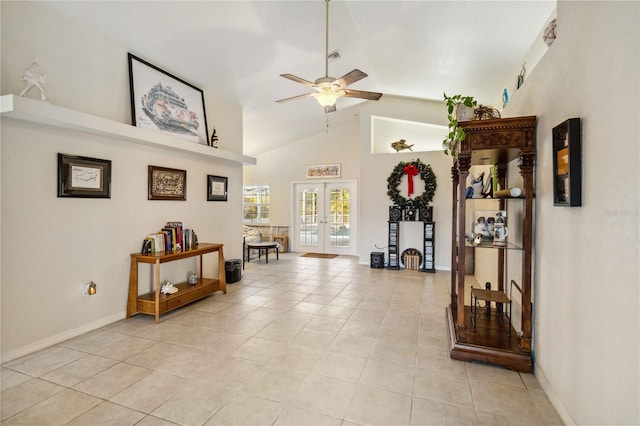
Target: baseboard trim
x=61 y=337
x=553 y=397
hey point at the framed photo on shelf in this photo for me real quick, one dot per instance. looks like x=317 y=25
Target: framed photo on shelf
x=165 y=103
x=83 y=177
x=321 y=171
x=567 y=164
x=217 y=188
x=167 y=184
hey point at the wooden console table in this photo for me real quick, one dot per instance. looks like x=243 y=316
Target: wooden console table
x=156 y=303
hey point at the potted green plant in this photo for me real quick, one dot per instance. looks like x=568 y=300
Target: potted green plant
x=456 y=134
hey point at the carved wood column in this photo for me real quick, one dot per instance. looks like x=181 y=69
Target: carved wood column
x=501 y=174
x=464 y=163
x=454 y=213
x=526 y=164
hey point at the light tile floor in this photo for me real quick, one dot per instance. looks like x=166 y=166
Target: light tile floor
x=300 y=341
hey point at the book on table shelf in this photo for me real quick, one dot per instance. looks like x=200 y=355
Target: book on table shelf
x=172 y=238
x=177 y=228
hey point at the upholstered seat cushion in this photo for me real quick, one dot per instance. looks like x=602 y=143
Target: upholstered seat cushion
x=252 y=235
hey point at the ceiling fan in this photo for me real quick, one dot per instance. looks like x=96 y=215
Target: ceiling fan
x=328 y=89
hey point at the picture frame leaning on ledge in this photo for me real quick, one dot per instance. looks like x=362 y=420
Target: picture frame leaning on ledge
x=165 y=103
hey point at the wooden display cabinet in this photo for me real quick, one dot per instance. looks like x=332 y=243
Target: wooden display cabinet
x=495 y=142
x=156 y=303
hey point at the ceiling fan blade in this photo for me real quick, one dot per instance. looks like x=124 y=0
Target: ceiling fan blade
x=298 y=80
x=371 y=96
x=330 y=108
x=293 y=98
x=351 y=78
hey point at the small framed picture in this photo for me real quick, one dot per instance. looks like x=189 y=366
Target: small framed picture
x=165 y=103
x=167 y=184
x=567 y=164
x=83 y=177
x=321 y=171
x=217 y=188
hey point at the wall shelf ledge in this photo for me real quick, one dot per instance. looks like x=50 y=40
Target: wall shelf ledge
x=36 y=111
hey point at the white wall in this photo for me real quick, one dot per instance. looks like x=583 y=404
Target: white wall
x=586 y=270
x=52 y=247
x=376 y=168
x=587 y=334
x=350 y=145
x=280 y=167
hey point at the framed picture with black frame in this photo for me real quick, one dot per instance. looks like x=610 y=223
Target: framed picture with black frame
x=567 y=164
x=217 y=188
x=83 y=177
x=167 y=184
x=165 y=103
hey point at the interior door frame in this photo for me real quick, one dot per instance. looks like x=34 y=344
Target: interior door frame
x=353 y=212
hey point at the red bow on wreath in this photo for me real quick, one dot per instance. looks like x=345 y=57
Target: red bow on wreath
x=410 y=170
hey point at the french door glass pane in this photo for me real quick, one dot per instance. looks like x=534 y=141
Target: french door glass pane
x=308 y=219
x=339 y=203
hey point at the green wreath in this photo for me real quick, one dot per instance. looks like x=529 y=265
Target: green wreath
x=426 y=174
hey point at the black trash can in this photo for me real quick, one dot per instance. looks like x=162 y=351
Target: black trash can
x=233 y=270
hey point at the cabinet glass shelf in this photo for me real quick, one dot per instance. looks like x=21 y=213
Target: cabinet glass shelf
x=490 y=245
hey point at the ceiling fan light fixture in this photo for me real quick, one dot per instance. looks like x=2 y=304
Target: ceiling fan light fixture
x=326 y=98
x=329 y=89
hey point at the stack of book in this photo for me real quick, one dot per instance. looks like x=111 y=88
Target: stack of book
x=173 y=237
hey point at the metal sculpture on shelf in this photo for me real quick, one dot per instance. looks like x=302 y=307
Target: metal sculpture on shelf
x=401 y=145
x=484 y=113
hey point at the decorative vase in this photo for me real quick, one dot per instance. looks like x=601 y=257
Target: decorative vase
x=464 y=113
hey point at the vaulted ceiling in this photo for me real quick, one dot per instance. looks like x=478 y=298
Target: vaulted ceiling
x=238 y=49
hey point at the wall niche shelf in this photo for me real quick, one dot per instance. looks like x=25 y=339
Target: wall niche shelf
x=36 y=111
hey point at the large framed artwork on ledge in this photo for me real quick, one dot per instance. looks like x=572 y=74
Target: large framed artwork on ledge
x=165 y=103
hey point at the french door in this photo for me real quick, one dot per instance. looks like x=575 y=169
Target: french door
x=325 y=217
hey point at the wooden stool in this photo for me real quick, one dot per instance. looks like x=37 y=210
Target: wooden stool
x=489 y=296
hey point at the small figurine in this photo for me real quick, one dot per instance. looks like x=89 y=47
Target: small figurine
x=481 y=228
x=214 y=139
x=34 y=76
x=490 y=225
x=523 y=72
x=476 y=185
x=549 y=35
